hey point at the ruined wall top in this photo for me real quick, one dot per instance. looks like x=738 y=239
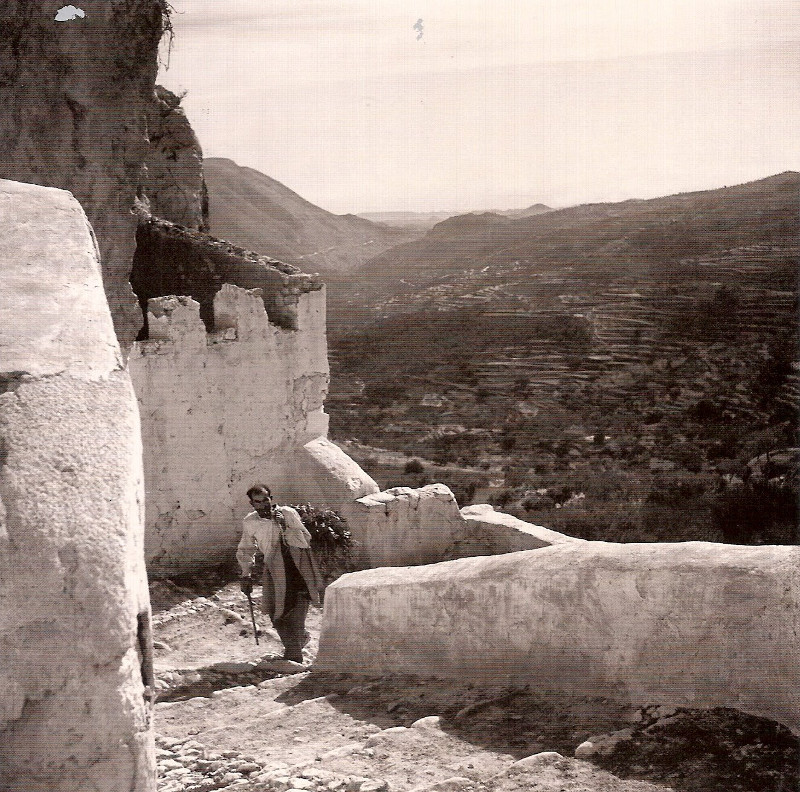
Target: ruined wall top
x=239 y=315
x=174 y=260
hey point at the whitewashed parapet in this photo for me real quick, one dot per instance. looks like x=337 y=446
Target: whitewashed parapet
x=489 y=532
x=327 y=477
x=75 y=642
x=687 y=624
x=404 y=526
x=220 y=412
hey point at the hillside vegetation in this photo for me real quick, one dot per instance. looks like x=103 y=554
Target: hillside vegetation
x=615 y=370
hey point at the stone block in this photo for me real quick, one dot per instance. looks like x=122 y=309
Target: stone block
x=326 y=476
x=404 y=526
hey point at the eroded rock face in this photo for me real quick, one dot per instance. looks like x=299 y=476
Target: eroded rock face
x=174 y=183
x=75 y=99
x=75 y=644
x=688 y=624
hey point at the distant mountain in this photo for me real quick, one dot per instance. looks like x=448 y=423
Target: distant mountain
x=610 y=285
x=418 y=220
x=427 y=220
x=250 y=209
x=635 y=352
x=529 y=211
x=636 y=233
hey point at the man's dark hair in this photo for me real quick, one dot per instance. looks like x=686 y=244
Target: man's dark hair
x=259 y=488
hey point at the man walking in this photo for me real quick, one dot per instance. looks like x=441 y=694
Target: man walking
x=291 y=577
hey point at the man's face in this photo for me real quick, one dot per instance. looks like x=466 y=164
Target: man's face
x=262 y=503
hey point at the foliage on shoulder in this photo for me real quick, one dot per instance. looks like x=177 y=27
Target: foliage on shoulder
x=330 y=539
x=327 y=527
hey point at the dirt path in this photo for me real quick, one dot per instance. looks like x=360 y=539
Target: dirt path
x=231 y=715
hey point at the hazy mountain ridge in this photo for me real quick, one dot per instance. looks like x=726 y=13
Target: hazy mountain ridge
x=257 y=212
x=654 y=230
x=427 y=220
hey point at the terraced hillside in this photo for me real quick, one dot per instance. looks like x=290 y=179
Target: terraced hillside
x=637 y=327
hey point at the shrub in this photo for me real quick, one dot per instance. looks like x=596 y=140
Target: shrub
x=759 y=512
x=414 y=467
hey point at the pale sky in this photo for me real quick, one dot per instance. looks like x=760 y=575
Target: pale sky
x=493 y=104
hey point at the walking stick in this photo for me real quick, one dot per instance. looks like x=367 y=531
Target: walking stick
x=253 y=617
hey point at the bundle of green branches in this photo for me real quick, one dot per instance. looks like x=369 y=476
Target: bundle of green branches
x=331 y=541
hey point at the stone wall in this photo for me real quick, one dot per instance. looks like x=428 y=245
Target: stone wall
x=404 y=526
x=224 y=410
x=174 y=260
x=75 y=642
x=75 y=100
x=687 y=624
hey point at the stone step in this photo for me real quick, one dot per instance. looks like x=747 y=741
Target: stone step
x=408 y=758
x=258 y=710
x=397 y=758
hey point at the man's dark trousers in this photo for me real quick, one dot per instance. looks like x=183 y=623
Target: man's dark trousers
x=291 y=627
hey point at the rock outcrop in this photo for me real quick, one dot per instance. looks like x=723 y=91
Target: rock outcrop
x=688 y=624
x=76 y=96
x=174 y=184
x=75 y=643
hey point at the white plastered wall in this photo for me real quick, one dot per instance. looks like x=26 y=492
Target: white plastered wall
x=73 y=587
x=687 y=624
x=225 y=410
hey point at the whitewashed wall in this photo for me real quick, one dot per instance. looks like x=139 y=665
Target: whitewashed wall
x=74 y=606
x=225 y=410
x=687 y=624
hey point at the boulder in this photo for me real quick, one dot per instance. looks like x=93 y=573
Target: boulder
x=75 y=637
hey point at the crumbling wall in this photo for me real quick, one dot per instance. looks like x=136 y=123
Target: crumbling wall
x=404 y=526
x=174 y=185
x=222 y=411
x=75 y=100
x=75 y=646
x=173 y=260
x=687 y=624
